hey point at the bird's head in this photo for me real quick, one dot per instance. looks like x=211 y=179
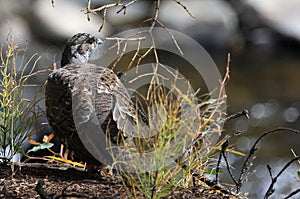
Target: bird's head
x=79 y=48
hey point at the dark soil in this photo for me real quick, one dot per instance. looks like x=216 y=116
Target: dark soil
x=53 y=181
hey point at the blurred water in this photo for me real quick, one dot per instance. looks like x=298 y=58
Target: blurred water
x=268 y=86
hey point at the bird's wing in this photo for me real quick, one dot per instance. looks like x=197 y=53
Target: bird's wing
x=123 y=110
x=68 y=101
x=58 y=104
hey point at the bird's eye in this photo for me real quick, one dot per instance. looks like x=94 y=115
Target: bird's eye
x=91 y=40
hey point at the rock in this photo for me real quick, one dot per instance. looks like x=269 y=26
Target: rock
x=65 y=19
x=214 y=25
x=281 y=15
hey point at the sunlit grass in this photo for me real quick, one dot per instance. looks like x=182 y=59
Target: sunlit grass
x=17 y=114
x=167 y=154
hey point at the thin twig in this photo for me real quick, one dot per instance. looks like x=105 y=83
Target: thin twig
x=294 y=154
x=154 y=47
x=155 y=16
x=144 y=55
x=218 y=168
x=292 y=194
x=271 y=188
x=222 y=93
x=224 y=147
x=121 y=55
x=145 y=75
x=185 y=8
x=171 y=35
x=135 y=55
x=121 y=40
x=103 y=8
x=253 y=149
x=270 y=171
x=244 y=112
x=126 y=39
x=88 y=10
x=103 y=19
x=226 y=77
x=124 y=7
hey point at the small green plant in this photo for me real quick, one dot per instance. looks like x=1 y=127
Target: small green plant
x=57 y=158
x=17 y=114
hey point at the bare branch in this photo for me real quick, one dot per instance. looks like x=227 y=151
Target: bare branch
x=224 y=147
x=144 y=55
x=121 y=54
x=293 y=193
x=135 y=55
x=124 y=7
x=270 y=171
x=294 y=154
x=88 y=10
x=103 y=19
x=271 y=188
x=253 y=149
x=218 y=168
x=155 y=16
x=171 y=35
x=154 y=47
x=244 y=112
x=126 y=39
x=103 y=8
x=185 y=8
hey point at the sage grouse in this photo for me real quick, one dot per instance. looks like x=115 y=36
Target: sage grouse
x=95 y=89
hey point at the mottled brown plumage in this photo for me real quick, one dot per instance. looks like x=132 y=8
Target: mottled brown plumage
x=81 y=89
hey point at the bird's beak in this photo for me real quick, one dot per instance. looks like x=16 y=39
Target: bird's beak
x=99 y=42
